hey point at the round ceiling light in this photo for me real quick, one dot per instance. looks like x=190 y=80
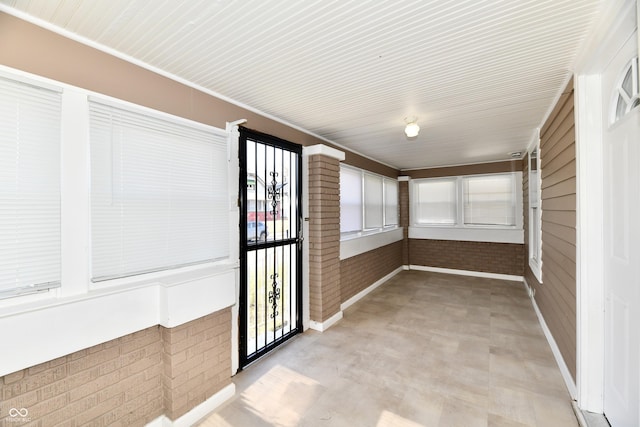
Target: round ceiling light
x=411 y=129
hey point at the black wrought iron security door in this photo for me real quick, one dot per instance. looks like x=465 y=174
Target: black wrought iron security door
x=271 y=249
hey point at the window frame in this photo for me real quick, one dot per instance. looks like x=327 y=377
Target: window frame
x=514 y=196
x=460 y=230
x=356 y=174
x=135 y=127
x=416 y=198
x=31 y=89
x=385 y=226
x=534 y=195
x=630 y=101
x=75 y=214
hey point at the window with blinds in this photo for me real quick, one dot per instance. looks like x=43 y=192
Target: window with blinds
x=373 y=201
x=475 y=200
x=390 y=202
x=29 y=188
x=158 y=192
x=368 y=202
x=350 y=200
x=490 y=200
x=435 y=201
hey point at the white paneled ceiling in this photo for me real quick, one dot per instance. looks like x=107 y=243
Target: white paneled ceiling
x=479 y=75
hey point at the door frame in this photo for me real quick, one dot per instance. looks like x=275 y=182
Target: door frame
x=296 y=149
x=590 y=289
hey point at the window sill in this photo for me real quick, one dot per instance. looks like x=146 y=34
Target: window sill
x=169 y=277
x=356 y=244
x=106 y=313
x=471 y=234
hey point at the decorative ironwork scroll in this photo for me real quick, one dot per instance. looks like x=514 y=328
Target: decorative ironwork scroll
x=274 y=295
x=274 y=192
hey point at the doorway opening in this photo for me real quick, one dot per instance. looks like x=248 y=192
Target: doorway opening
x=270 y=243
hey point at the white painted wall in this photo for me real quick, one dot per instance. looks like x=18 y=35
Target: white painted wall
x=41 y=327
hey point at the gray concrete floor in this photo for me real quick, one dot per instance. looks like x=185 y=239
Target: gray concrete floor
x=424 y=349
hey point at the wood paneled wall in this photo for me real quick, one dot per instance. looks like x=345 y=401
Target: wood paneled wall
x=556 y=296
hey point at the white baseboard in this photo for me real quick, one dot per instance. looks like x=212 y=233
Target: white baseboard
x=357 y=297
x=197 y=413
x=323 y=326
x=468 y=273
x=564 y=369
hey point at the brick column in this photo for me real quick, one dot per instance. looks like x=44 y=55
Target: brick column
x=324 y=235
x=197 y=362
x=403 y=190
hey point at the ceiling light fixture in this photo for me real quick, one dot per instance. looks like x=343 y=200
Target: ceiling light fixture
x=412 y=128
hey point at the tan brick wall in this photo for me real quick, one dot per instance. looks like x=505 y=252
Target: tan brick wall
x=197 y=362
x=324 y=237
x=116 y=382
x=403 y=190
x=361 y=271
x=128 y=381
x=500 y=258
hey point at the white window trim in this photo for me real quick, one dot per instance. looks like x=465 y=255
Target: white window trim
x=358 y=242
x=618 y=93
x=168 y=298
x=461 y=231
x=363 y=232
x=362 y=244
x=535 y=260
x=459 y=201
x=102 y=104
x=41 y=286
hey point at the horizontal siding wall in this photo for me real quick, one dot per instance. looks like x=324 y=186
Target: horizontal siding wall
x=361 y=271
x=556 y=296
x=486 y=257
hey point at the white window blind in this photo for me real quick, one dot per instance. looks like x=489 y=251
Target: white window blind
x=390 y=202
x=350 y=200
x=29 y=188
x=490 y=200
x=159 y=192
x=373 y=201
x=435 y=201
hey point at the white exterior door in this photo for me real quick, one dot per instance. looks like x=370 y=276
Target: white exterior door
x=622 y=239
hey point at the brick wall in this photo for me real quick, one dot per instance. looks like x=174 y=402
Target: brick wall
x=324 y=237
x=403 y=194
x=197 y=362
x=361 y=271
x=500 y=258
x=128 y=381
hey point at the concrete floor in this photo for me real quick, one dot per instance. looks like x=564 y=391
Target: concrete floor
x=424 y=349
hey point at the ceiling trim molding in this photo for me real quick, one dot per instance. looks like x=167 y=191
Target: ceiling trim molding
x=462 y=164
x=109 y=51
